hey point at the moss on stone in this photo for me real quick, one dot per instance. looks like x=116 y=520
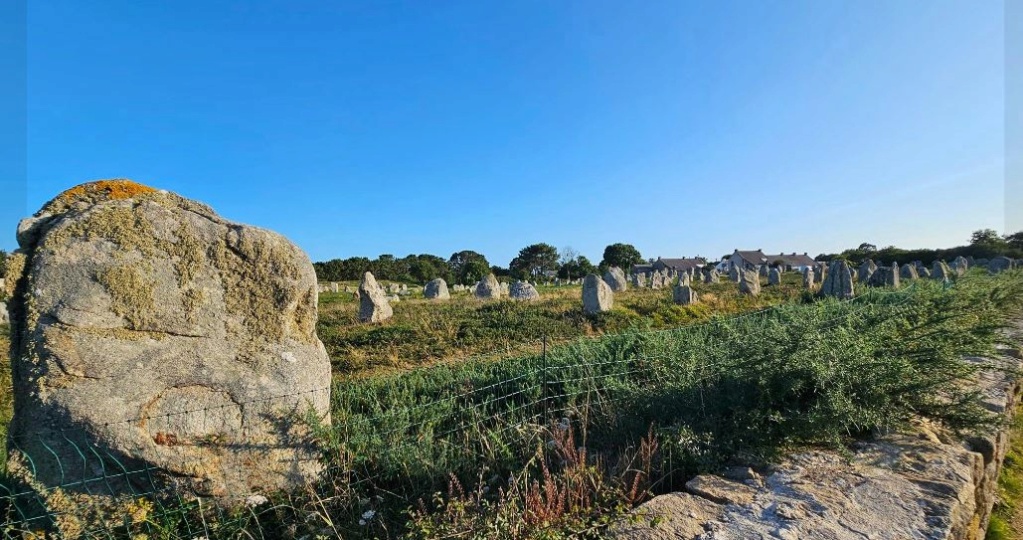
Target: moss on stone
x=96 y=192
x=131 y=292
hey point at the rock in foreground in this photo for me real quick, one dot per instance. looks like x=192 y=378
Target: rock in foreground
x=150 y=333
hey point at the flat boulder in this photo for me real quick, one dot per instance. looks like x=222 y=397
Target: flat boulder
x=1000 y=264
x=153 y=335
x=597 y=295
x=521 y=290
x=437 y=289
x=488 y=288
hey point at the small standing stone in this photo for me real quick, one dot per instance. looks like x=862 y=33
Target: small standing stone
x=437 y=290
x=733 y=273
x=684 y=295
x=373 y=306
x=4 y=317
x=749 y=283
x=960 y=265
x=839 y=282
x=639 y=280
x=615 y=279
x=711 y=276
x=597 y=295
x=865 y=271
x=940 y=270
x=808 y=279
x=774 y=276
x=908 y=271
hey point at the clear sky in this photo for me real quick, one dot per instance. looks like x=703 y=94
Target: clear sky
x=683 y=128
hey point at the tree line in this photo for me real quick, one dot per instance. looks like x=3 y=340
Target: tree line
x=984 y=244
x=536 y=262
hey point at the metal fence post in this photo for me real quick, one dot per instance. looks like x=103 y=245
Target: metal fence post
x=545 y=391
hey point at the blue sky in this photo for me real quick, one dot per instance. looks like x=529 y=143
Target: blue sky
x=430 y=127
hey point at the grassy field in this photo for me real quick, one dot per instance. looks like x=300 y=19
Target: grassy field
x=626 y=405
x=424 y=332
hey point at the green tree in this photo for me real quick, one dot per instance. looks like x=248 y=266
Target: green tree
x=986 y=237
x=621 y=255
x=576 y=268
x=534 y=261
x=468 y=266
x=425 y=267
x=1015 y=240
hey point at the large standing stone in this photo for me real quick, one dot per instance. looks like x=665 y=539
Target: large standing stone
x=520 y=290
x=940 y=270
x=437 y=289
x=764 y=270
x=373 y=301
x=774 y=276
x=597 y=295
x=749 y=282
x=656 y=280
x=820 y=274
x=711 y=276
x=865 y=271
x=839 y=282
x=733 y=273
x=1000 y=264
x=639 y=280
x=615 y=279
x=488 y=288
x=908 y=271
x=150 y=334
x=684 y=295
x=808 y=279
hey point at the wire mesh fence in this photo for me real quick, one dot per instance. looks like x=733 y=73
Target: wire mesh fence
x=391 y=441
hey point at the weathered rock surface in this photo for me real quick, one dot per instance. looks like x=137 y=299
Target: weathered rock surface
x=808 y=278
x=839 y=282
x=734 y=273
x=749 y=282
x=865 y=271
x=923 y=483
x=437 y=289
x=774 y=276
x=639 y=280
x=4 y=319
x=615 y=278
x=711 y=276
x=684 y=295
x=521 y=290
x=150 y=333
x=374 y=305
x=488 y=288
x=597 y=295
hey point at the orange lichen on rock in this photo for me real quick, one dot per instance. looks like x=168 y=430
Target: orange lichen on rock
x=98 y=191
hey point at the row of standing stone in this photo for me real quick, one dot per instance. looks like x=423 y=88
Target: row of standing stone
x=836 y=280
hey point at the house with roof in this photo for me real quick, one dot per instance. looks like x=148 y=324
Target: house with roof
x=751 y=260
x=678 y=265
